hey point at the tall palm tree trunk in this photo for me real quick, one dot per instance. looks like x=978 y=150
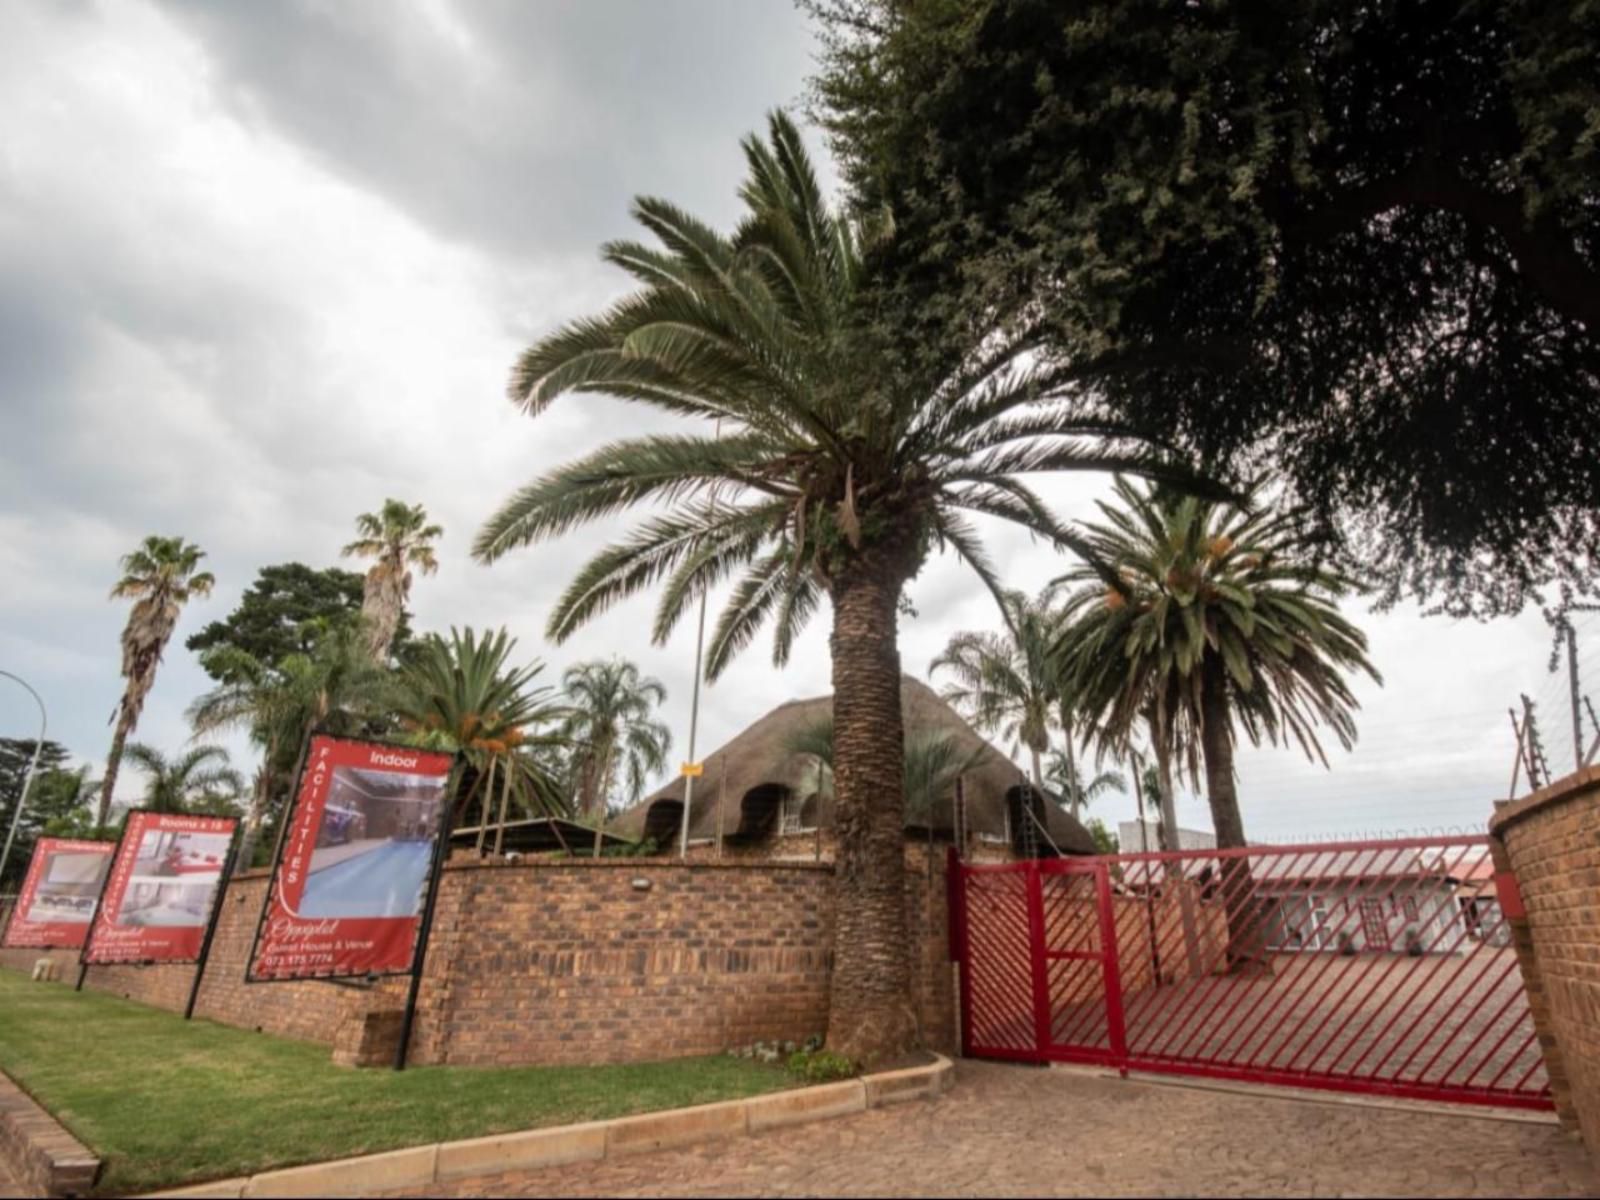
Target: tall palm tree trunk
x=1237 y=884
x=870 y=1014
x=1038 y=772
x=251 y=832
x=113 y=765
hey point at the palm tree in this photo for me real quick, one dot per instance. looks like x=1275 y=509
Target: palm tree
x=398 y=537
x=337 y=688
x=199 y=780
x=463 y=694
x=1218 y=618
x=160 y=577
x=617 y=742
x=1065 y=778
x=1006 y=682
x=840 y=461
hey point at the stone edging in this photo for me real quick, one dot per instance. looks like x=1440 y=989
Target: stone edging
x=419 y=1166
x=1568 y=787
x=34 y=1147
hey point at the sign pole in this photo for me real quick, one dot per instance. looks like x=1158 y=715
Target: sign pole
x=441 y=852
x=94 y=915
x=211 y=922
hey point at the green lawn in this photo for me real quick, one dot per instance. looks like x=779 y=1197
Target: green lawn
x=164 y=1101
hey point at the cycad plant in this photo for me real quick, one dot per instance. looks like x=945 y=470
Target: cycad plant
x=1218 y=619
x=397 y=537
x=843 y=460
x=160 y=577
x=462 y=693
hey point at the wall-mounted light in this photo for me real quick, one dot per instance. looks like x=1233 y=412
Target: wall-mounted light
x=641 y=884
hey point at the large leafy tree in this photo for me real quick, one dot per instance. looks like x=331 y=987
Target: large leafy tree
x=1218 y=620
x=617 y=741
x=160 y=577
x=199 y=780
x=1361 y=240
x=284 y=612
x=397 y=537
x=335 y=686
x=1007 y=681
x=843 y=460
x=462 y=693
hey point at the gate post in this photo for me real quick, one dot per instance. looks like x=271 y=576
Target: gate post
x=955 y=882
x=1116 y=1029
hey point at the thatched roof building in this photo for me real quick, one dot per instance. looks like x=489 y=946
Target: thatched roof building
x=756 y=788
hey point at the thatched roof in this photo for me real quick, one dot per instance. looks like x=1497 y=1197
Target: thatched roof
x=745 y=778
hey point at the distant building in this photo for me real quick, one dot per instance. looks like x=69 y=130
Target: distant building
x=1131 y=841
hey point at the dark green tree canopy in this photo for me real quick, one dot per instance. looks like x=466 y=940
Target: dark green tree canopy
x=283 y=612
x=1357 y=241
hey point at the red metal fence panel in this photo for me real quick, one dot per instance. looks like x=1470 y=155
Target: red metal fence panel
x=1381 y=967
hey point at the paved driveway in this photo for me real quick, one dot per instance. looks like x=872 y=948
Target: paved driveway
x=1028 y=1131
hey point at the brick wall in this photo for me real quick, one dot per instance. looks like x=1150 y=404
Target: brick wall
x=562 y=961
x=1551 y=842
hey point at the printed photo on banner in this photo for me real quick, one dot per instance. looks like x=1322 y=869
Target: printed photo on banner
x=68 y=886
x=374 y=846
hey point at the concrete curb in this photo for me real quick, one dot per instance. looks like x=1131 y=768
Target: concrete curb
x=419 y=1166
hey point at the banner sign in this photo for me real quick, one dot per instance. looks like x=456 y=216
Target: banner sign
x=347 y=891
x=163 y=882
x=59 y=894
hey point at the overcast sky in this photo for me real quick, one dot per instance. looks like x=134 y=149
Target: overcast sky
x=263 y=265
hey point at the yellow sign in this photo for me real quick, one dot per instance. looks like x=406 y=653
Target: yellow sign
x=693 y=770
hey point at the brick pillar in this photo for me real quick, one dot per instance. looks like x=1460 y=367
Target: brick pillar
x=1538 y=998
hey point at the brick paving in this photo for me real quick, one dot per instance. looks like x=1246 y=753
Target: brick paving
x=10 y=1187
x=1025 y=1131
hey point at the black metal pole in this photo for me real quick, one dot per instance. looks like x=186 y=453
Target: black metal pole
x=94 y=916
x=441 y=851
x=211 y=923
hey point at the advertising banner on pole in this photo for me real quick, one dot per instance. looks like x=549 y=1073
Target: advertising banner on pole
x=163 y=883
x=354 y=864
x=59 y=893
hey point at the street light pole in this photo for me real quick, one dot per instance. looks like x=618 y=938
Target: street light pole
x=27 y=782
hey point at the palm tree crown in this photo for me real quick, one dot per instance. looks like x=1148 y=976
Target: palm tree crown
x=1007 y=682
x=398 y=537
x=160 y=577
x=618 y=743
x=198 y=780
x=1218 y=615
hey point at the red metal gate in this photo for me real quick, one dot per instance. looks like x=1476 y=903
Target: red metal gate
x=1380 y=967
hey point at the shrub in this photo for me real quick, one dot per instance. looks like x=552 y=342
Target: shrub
x=820 y=1066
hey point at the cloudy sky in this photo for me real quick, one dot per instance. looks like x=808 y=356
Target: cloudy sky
x=262 y=266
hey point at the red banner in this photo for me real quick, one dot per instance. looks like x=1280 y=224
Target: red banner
x=163 y=882
x=347 y=891
x=58 y=895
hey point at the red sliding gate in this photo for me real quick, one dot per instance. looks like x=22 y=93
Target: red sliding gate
x=1380 y=967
